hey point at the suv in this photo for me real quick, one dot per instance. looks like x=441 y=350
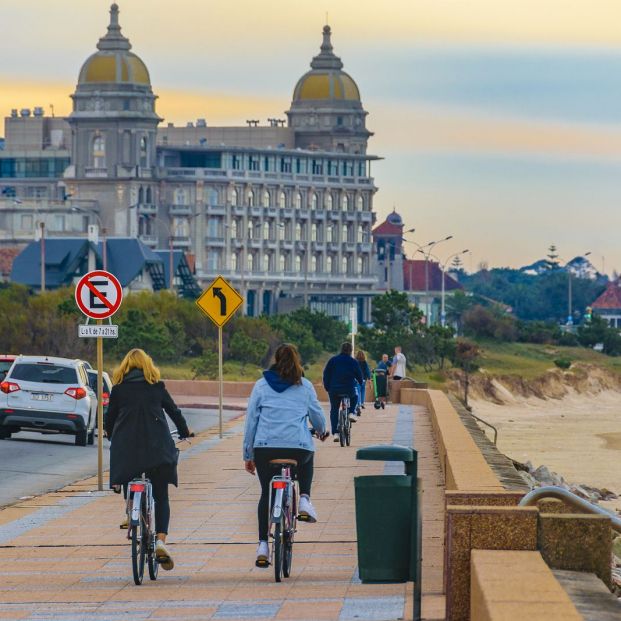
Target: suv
x=50 y=395
x=107 y=387
x=6 y=360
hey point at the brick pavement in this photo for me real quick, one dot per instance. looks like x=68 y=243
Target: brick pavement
x=64 y=558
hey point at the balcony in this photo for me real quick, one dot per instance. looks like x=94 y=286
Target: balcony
x=95 y=173
x=216 y=210
x=365 y=247
x=180 y=210
x=349 y=247
x=181 y=242
x=149 y=240
x=303 y=213
x=147 y=209
x=334 y=246
x=214 y=242
x=366 y=216
x=335 y=215
x=350 y=215
x=239 y=211
x=272 y=212
x=287 y=213
x=256 y=211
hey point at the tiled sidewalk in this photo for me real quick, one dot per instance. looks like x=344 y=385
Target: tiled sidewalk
x=64 y=558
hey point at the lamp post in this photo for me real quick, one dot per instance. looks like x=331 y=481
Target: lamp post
x=42 y=225
x=76 y=208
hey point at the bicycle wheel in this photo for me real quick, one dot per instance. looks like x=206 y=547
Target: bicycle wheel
x=342 y=426
x=348 y=433
x=152 y=563
x=279 y=550
x=138 y=551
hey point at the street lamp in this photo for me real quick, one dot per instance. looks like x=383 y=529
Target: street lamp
x=42 y=225
x=90 y=212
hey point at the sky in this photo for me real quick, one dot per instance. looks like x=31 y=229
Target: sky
x=499 y=122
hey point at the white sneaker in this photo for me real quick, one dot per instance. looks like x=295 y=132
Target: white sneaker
x=163 y=556
x=263 y=554
x=353 y=418
x=306 y=510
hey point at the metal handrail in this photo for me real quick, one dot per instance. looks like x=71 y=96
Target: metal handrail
x=488 y=424
x=560 y=493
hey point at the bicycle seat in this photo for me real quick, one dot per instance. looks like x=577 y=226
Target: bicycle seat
x=283 y=462
x=344 y=396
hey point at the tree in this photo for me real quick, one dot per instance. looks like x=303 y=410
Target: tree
x=466 y=357
x=457 y=264
x=552 y=257
x=456 y=305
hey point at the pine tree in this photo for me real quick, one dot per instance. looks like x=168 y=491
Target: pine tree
x=552 y=257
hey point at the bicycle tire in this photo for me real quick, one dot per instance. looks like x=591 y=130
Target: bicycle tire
x=348 y=433
x=278 y=550
x=138 y=552
x=342 y=426
x=152 y=563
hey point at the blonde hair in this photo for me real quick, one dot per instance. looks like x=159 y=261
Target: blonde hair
x=137 y=359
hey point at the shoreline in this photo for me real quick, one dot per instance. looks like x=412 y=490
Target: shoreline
x=578 y=436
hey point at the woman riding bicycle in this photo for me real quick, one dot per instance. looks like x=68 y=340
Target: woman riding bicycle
x=140 y=439
x=276 y=428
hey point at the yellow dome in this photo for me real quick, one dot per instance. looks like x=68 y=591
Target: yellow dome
x=326 y=85
x=116 y=67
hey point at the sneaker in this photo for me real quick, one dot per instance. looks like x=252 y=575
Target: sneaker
x=352 y=418
x=383 y=405
x=336 y=438
x=124 y=522
x=162 y=556
x=263 y=554
x=306 y=511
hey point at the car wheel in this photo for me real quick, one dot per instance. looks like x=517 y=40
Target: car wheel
x=90 y=439
x=5 y=434
x=81 y=438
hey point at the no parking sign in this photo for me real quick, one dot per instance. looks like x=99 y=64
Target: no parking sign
x=99 y=294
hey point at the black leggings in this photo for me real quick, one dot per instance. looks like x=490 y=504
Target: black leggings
x=265 y=472
x=159 y=486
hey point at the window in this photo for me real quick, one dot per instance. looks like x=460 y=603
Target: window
x=59 y=223
x=281 y=231
x=282 y=200
x=282 y=263
x=344 y=265
x=213 y=228
x=233 y=197
x=317 y=167
x=144 y=152
x=360 y=203
x=253 y=162
x=213 y=260
x=234 y=229
x=314 y=263
x=298 y=200
x=181 y=227
x=285 y=164
x=181 y=197
x=213 y=197
x=339 y=120
x=26 y=223
x=149 y=196
x=360 y=234
x=328 y=202
x=298 y=263
x=266 y=262
x=250 y=262
x=250 y=198
x=234 y=261
x=329 y=265
x=298 y=231
x=250 y=230
x=99 y=151
x=314 y=232
x=345 y=233
x=314 y=201
x=360 y=265
x=345 y=203
x=266 y=230
x=266 y=199
x=329 y=233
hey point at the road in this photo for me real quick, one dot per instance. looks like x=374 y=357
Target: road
x=33 y=463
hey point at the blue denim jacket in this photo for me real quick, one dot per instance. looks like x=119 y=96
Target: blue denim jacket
x=279 y=419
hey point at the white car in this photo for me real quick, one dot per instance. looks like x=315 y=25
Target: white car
x=50 y=395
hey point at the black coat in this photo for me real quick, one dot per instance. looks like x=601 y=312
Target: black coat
x=140 y=439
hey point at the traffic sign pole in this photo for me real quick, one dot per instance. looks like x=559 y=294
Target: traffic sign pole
x=99 y=411
x=221 y=376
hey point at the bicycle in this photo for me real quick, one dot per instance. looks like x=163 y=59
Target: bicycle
x=344 y=427
x=283 y=512
x=141 y=528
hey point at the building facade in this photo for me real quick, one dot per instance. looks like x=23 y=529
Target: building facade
x=284 y=211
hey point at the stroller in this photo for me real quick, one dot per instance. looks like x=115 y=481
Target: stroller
x=380 y=388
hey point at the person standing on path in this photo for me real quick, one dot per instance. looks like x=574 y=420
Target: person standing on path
x=366 y=375
x=140 y=439
x=339 y=378
x=276 y=428
x=398 y=365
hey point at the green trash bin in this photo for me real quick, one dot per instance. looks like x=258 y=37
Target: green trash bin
x=387 y=518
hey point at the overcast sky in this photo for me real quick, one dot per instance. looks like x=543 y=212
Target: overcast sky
x=499 y=122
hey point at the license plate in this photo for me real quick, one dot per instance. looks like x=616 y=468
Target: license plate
x=41 y=397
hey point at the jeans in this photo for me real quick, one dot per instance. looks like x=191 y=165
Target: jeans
x=265 y=472
x=159 y=488
x=335 y=404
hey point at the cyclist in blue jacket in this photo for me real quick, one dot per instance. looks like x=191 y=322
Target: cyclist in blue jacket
x=340 y=377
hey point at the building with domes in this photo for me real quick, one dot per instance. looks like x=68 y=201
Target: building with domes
x=283 y=210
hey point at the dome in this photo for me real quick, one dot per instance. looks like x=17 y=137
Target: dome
x=326 y=79
x=394 y=218
x=113 y=62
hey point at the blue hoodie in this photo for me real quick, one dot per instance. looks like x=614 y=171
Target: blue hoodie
x=341 y=374
x=278 y=414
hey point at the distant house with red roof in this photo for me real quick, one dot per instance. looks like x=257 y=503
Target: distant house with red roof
x=7 y=256
x=608 y=304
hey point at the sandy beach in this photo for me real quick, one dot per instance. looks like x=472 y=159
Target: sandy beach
x=578 y=436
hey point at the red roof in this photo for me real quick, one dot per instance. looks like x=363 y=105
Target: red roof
x=388 y=228
x=7 y=256
x=414 y=277
x=611 y=298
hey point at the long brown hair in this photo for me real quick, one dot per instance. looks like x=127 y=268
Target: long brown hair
x=137 y=359
x=360 y=357
x=287 y=363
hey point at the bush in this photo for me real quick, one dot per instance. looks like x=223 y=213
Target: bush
x=562 y=363
x=483 y=323
x=248 y=350
x=568 y=339
x=206 y=366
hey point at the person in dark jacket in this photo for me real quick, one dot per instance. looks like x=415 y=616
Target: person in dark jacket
x=140 y=439
x=339 y=378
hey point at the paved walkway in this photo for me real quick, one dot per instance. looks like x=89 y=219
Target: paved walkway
x=64 y=558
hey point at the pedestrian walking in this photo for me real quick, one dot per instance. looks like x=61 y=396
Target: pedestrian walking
x=366 y=376
x=276 y=428
x=399 y=362
x=140 y=439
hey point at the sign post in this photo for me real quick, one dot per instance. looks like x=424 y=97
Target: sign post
x=98 y=295
x=219 y=302
x=353 y=320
